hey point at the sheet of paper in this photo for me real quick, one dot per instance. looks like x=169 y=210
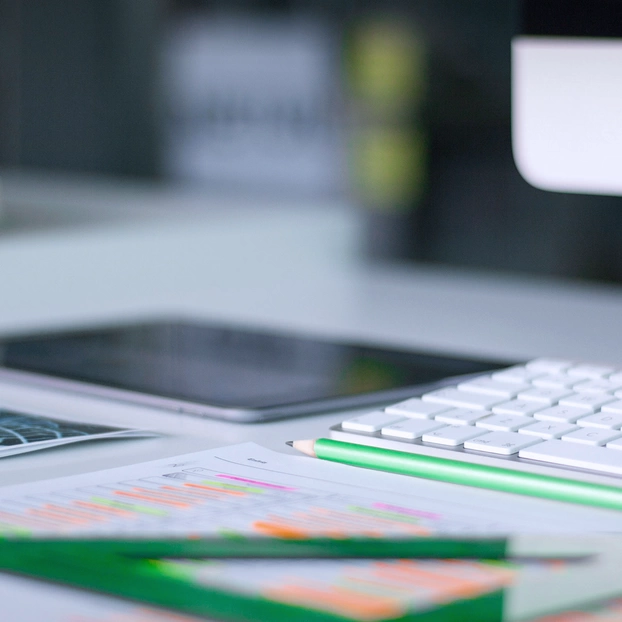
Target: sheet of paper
x=363 y=589
x=21 y=432
x=381 y=589
x=606 y=611
x=248 y=489
x=369 y=591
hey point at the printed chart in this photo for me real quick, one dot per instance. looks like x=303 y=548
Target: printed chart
x=188 y=502
x=362 y=590
x=248 y=490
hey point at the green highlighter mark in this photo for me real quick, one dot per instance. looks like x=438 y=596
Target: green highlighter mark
x=234 y=487
x=383 y=514
x=130 y=507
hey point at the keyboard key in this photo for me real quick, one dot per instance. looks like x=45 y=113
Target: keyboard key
x=568 y=414
x=453 y=435
x=590 y=371
x=518 y=374
x=462 y=399
x=462 y=416
x=591 y=436
x=548 y=429
x=488 y=386
x=415 y=407
x=501 y=443
x=600 y=385
x=613 y=407
x=371 y=422
x=410 y=429
x=547 y=396
x=589 y=401
x=575 y=455
x=550 y=366
x=504 y=423
x=555 y=381
x=517 y=407
x=602 y=420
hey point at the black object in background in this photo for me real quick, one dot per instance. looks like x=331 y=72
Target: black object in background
x=478 y=211
x=78 y=85
x=232 y=368
x=78 y=92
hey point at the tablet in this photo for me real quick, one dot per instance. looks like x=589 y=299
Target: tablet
x=228 y=372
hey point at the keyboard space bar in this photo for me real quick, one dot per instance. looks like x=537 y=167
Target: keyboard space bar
x=576 y=455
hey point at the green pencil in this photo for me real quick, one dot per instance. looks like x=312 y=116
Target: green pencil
x=458 y=472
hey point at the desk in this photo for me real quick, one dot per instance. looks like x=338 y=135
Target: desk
x=297 y=267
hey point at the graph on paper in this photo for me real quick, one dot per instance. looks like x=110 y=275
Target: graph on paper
x=20 y=432
x=249 y=490
x=200 y=501
x=361 y=589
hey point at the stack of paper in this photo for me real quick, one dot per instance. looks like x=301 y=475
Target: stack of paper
x=161 y=532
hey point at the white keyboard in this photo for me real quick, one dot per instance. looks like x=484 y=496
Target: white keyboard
x=547 y=413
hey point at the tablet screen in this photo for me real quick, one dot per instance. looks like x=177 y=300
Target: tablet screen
x=225 y=366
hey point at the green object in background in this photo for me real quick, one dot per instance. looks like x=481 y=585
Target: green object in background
x=127 y=569
x=157 y=573
x=495 y=548
x=458 y=472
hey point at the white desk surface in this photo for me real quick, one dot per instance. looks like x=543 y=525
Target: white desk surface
x=293 y=268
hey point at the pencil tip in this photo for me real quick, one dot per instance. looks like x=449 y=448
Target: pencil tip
x=290 y=443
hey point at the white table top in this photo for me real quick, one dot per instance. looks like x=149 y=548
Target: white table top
x=294 y=267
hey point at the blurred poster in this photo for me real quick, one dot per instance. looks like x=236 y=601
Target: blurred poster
x=253 y=102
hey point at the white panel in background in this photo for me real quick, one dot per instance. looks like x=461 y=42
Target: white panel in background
x=567 y=113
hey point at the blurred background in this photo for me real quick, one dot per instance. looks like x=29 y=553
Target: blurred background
x=401 y=109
